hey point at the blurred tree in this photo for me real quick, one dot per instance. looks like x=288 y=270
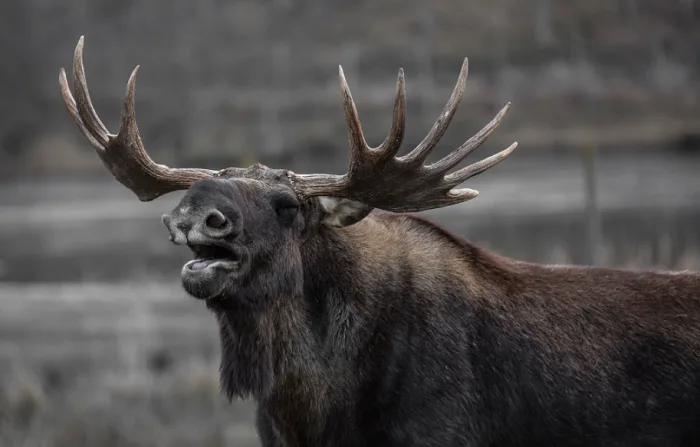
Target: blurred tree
x=543 y=22
x=234 y=78
x=20 y=109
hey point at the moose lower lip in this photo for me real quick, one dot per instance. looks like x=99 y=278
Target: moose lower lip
x=202 y=264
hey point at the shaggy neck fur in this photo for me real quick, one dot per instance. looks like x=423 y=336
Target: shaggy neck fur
x=306 y=346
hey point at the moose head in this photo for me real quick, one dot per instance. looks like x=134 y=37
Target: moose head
x=246 y=227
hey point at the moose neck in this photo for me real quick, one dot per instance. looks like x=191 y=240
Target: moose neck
x=284 y=349
x=306 y=345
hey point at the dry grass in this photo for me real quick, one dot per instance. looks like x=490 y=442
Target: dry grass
x=85 y=365
x=180 y=408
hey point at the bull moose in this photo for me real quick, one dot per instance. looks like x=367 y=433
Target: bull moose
x=353 y=323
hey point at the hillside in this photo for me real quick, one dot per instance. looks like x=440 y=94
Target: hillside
x=233 y=82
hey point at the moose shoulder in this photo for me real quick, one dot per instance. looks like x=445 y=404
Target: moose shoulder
x=351 y=323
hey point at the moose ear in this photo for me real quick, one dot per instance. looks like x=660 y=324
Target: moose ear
x=342 y=212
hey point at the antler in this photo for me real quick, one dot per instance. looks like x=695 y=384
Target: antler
x=123 y=154
x=377 y=178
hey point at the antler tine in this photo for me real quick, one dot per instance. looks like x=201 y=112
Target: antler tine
x=358 y=145
x=392 y=143
x=70 y=104
x=480 y=166
x=421 y=152
x=85 y=108
x=455 y=157
x=123 y=154
x=129 y=128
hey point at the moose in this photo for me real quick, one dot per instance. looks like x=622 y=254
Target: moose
x=351 y=321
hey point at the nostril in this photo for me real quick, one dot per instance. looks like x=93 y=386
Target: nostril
x=216 y=220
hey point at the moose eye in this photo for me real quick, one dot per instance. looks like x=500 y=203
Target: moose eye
x=286 y=206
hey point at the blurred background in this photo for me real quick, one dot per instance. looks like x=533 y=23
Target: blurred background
x=99 y=346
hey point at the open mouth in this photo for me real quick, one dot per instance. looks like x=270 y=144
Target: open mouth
x=213 y=256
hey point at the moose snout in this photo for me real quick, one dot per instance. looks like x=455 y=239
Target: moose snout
x=188 y=227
